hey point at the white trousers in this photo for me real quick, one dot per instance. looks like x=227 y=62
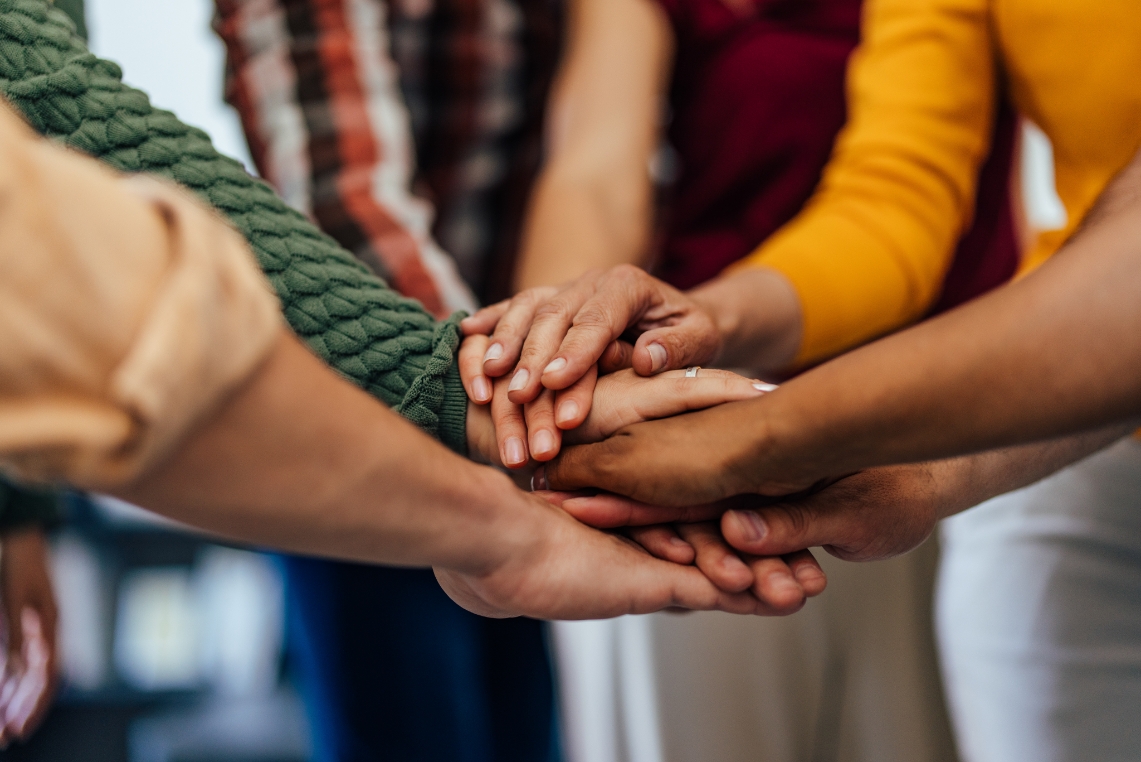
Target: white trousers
x=1038 y=617
x=851 y=678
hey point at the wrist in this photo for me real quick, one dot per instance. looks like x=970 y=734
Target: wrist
x=758 y=317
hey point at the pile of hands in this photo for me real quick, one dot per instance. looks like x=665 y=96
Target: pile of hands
x=559 y=367
x=584 y=386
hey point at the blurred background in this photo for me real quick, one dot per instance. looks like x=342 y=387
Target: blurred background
x=172 y=645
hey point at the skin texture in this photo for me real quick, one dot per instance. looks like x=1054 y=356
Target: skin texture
x=589 y=226
x=350 y=479
x=872 y=515
x=30 y=617
x=1039 y=358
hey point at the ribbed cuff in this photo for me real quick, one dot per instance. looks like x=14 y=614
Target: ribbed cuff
x=453 y=412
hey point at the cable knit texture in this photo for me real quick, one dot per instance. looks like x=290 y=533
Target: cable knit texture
x=383 y=342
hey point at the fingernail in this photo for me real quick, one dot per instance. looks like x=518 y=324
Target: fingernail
x=782 y=582
x=752 y=525
x=555 y=365
x=514 y=449
x=568 y=411
x=494 y=352
x=657 y=357
x=763 y=387
x=539 y=479
x=805 y=574
x=480 y=389
x=543 y=443
x=677 y=542
x=519 y=380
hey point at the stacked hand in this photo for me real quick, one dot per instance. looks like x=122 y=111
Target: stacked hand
x=553 y=366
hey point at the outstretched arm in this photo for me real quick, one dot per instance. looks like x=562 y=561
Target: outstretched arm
x=1051 y=354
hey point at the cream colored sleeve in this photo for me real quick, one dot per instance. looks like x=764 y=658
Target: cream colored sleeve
x=127 y=312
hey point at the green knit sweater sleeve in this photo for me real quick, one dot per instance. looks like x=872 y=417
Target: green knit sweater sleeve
x=384 y=343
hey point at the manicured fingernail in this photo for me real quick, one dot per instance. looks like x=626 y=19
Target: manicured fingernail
x=763 y=387
x=751 y=524
x=657 y=357
x=555 y=365
x=568 y=411
x=514 y=451
x=543 y=442
x=481 y=389
x=494 y=352
x=539 y=479
x=519 y=380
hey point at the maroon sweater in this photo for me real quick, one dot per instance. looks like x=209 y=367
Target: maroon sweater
x=757 y=100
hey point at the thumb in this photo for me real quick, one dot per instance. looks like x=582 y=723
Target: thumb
x=691 y=341
x=786 y=527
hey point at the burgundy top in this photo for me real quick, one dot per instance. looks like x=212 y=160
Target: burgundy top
x=757 y=101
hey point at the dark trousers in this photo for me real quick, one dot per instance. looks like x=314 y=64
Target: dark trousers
x=392 y=670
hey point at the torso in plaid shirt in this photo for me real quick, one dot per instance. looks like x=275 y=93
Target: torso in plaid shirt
x=349 y=105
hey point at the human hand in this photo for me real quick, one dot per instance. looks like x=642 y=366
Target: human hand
x=570 y=571
x=868 y=516
x=691 y=540
x=619 y=399
x=28 y=675
x=686 y=460
x=552 y=337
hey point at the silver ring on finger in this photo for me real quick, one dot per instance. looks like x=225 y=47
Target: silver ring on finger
x=691 y=371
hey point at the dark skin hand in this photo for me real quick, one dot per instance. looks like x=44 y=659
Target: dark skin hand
x=874 y=514
x=1048 y=355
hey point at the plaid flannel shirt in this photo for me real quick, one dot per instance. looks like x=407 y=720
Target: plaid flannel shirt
x=366 y=113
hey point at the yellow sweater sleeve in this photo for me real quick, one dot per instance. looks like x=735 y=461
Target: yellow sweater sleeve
x=869 y=251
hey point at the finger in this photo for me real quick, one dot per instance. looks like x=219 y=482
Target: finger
x=475 y=381
x=510 y=428
x=619 y=355
x=775 y=584
x=573 y=403
x=785 y=528
x=715 y=558
x=552 y=320
x=606 y=511
x=484 y=321
x=662 y=541
x=543 y=435
x=512 y=328
x=621 y=297
x=806 y=569
x=671 y=393
x=693 y=340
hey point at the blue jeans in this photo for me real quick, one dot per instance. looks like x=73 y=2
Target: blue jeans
x=392 y=670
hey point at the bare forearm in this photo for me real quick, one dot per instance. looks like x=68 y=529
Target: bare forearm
x=300 y=459
x=758 y=317
x=984 y=475
x=577 y=224
x=1048 y=355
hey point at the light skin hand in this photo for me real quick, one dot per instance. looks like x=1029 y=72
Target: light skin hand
x=780 y=584
x=533 y=431
x=350 y=479
x=552 y=342
x=30 y=618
